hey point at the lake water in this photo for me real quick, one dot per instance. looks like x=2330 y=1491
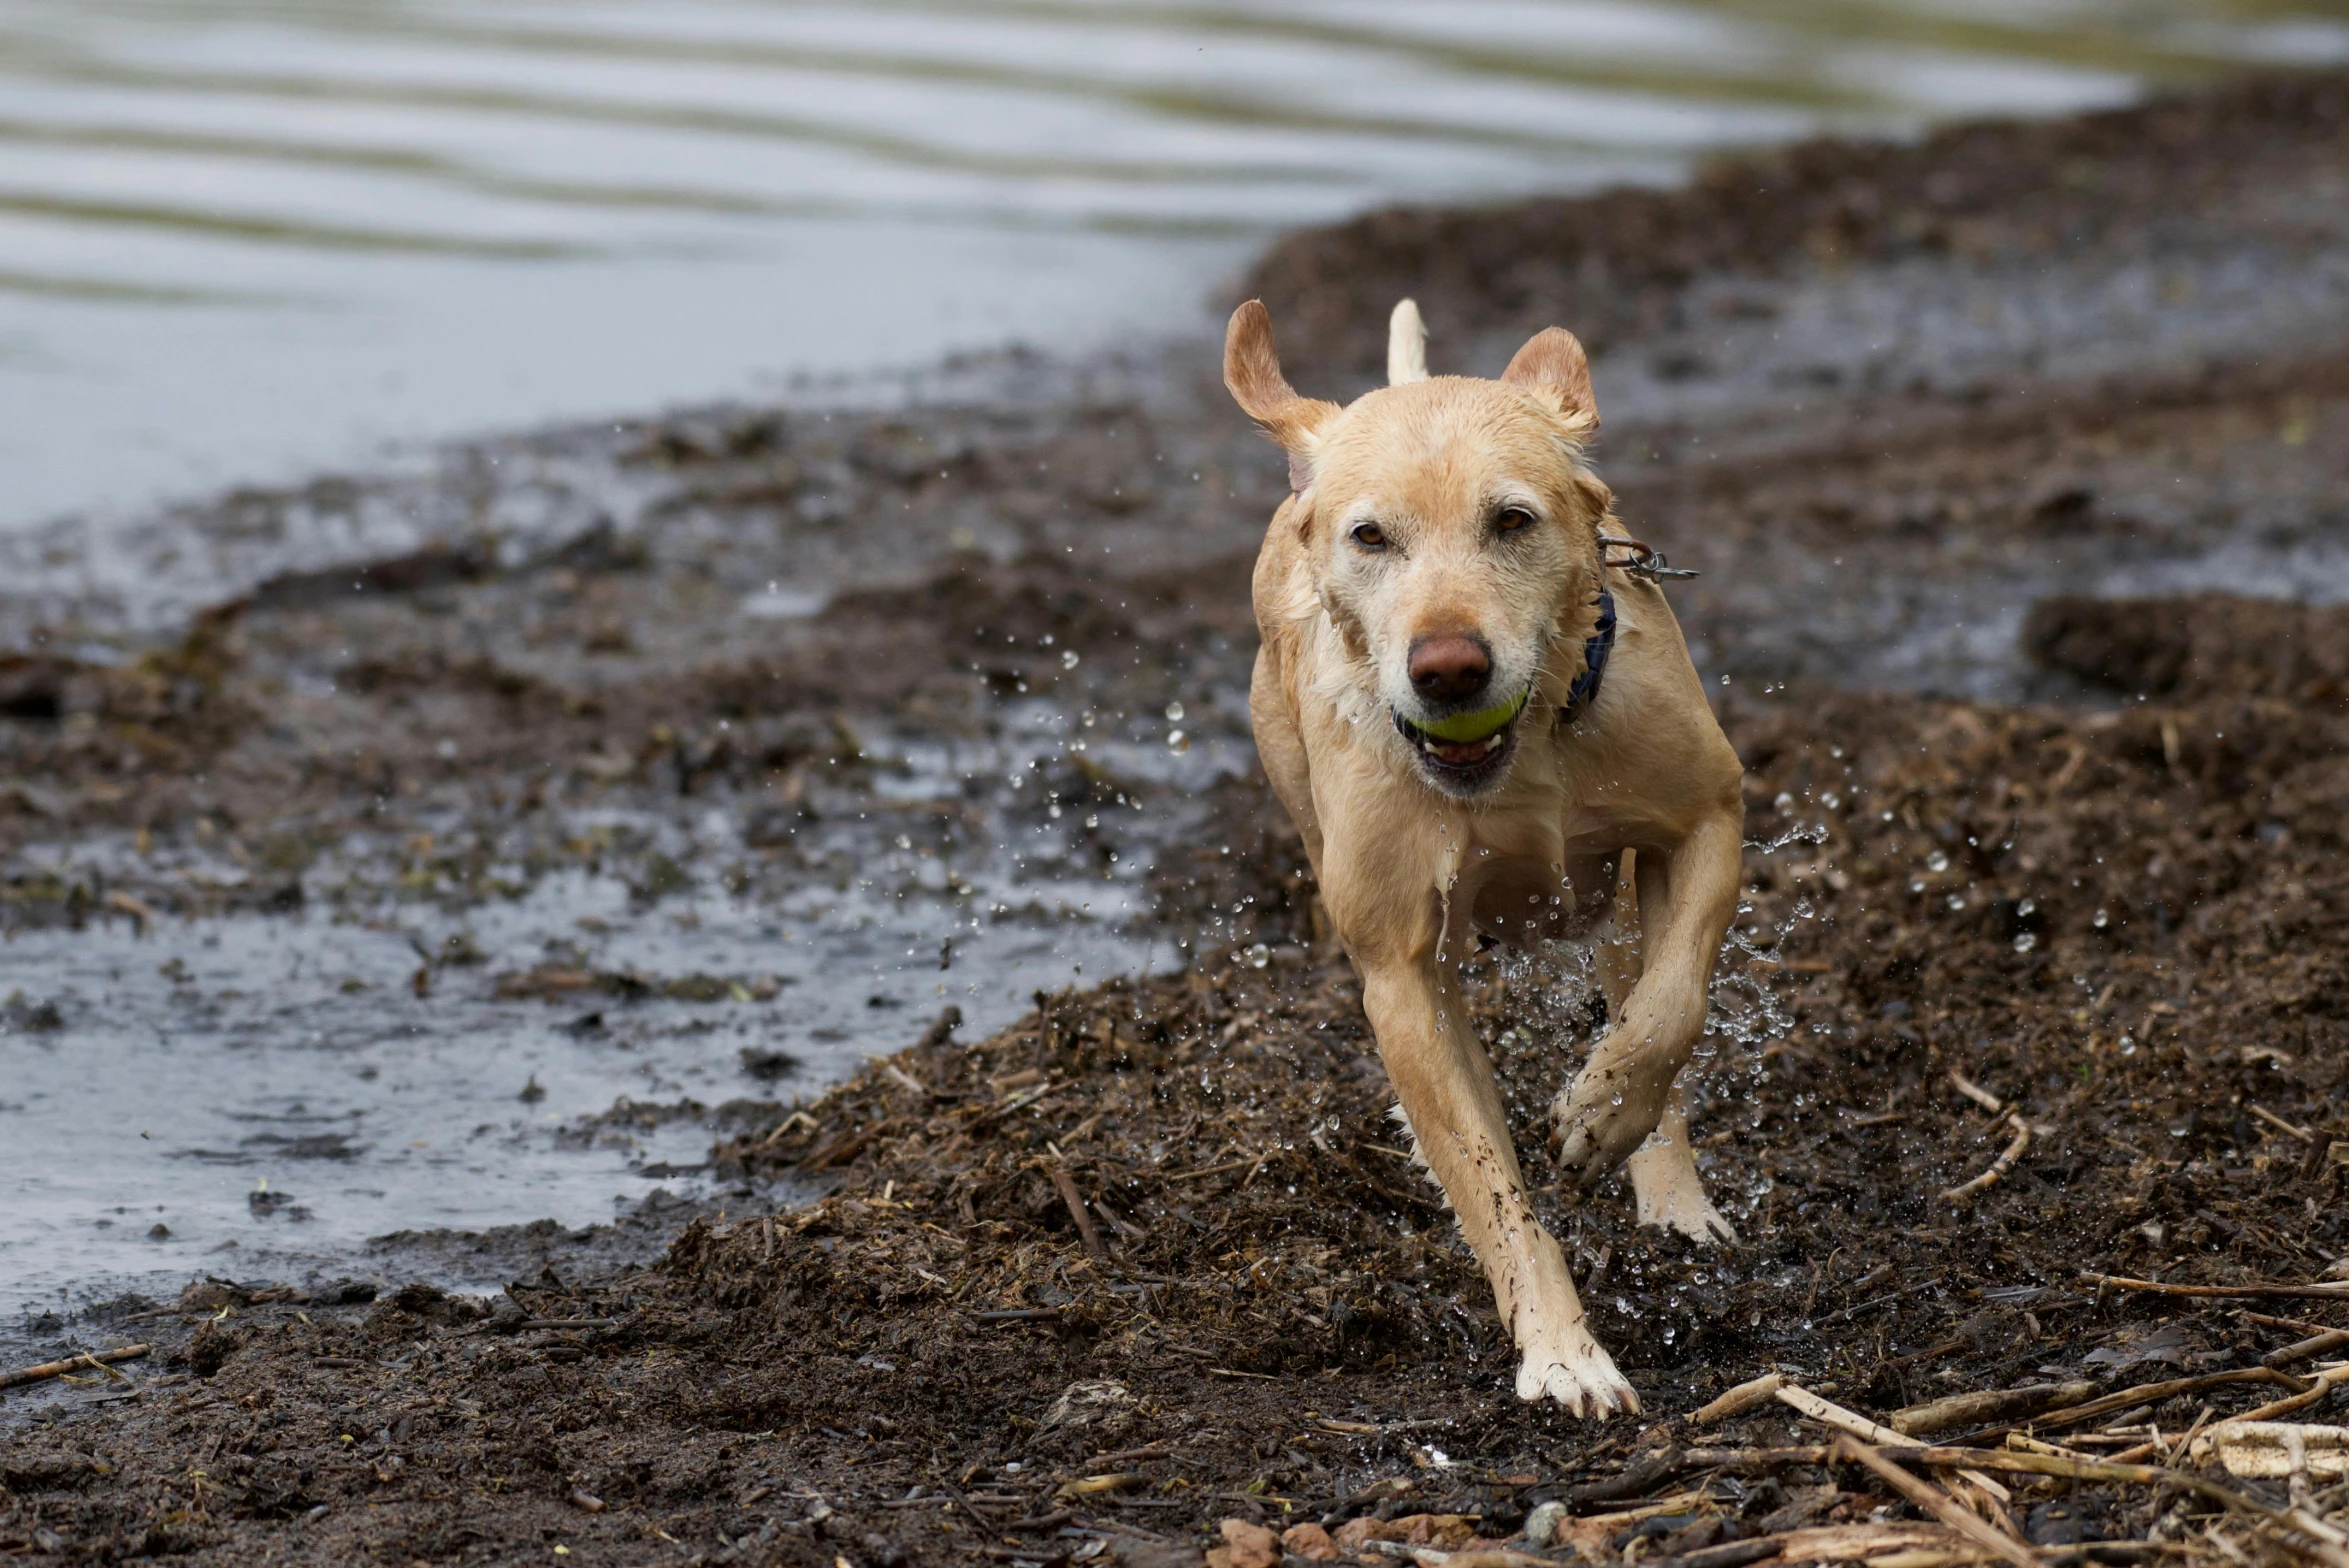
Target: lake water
x=241 y=240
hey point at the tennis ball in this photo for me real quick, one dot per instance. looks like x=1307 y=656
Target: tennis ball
x=1466 y=729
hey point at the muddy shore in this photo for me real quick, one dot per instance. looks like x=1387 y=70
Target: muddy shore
x=2035 y=795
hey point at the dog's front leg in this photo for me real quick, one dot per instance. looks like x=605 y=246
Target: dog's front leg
x=1686 y=900
x=1442 y=1076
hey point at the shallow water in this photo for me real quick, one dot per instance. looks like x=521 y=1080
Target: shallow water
x=241 y=240
x=274 y=1090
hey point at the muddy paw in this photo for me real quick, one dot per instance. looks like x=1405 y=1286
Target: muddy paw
x=1578 y=1375
x=1601 y=1120
x=1691 y=1214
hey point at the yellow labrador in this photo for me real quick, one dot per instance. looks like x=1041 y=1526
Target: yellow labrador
x=1482 y=723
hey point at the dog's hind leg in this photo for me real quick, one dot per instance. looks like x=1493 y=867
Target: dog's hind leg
x=1664 y=1179
x=1686 y=898
x=1663 y=1172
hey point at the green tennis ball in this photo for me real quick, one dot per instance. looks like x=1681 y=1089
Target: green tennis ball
x=1466 y=729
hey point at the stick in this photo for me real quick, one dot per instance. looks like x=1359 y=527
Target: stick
x=2326 y=1381
x=2077 y=1470
x=905 y=1079
x=2321 y=1292
x=1740 y=1399
x=2147 y=1394
x=1077 y=1210
x=2144 y=1451
x=1938 y=1503
x=2279 y=1124
x=1990 y=1405
x=88 y=1358
x=1860 y=1426
x=2317 y=1345
x=1976 y=1093
x=1821 y=1411
x=1749 y=1461
x=1998 y=1167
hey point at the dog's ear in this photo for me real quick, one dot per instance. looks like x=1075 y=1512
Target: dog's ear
x=1252 y=369
x=1406 y=344
x=1553 y=361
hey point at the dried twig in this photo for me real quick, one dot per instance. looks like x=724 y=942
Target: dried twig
x=1939 y=1504
x=2328 y=1291
x=900 y=1076
x=1740 y=1399
x=1077 y=1210
x=2157 y=1449
x=1753 y=1461
x=1860 y=1426
x=1958 y=1410
x=2314 y=1345
x=2146 y=1394
x=1829 y=1414
x=88 y=1358
x=2279 y=1124
x=2324 y=1383
x=1998 y=1167
x=1976 y=1093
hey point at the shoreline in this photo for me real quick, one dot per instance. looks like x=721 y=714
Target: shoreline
x=616 y=669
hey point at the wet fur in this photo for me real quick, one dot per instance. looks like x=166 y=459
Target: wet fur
x=1625 y=824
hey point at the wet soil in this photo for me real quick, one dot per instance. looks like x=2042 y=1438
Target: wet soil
x=2108 y=899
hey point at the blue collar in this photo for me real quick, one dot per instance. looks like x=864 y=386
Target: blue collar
x=1595 y=649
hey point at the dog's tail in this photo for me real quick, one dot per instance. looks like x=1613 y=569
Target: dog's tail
x=1406 y=344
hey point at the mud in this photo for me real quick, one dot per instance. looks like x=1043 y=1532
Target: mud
x=2098 y=876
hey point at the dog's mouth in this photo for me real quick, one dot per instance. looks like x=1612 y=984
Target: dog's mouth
x=1462 y=751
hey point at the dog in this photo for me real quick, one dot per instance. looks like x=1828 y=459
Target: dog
x=1481 y=723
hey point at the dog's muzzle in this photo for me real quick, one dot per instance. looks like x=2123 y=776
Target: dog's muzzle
x=1465 y=750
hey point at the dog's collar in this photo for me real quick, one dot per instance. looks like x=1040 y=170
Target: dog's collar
x=1595 y=649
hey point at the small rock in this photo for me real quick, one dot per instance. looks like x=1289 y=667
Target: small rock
x=1246 y=1546
x=2056 y=1523
x=1445 y=1532
x=1541 y=1526
x=1310 y=1541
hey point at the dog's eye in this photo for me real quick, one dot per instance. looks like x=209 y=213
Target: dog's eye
x=1512 y=518
x=1370 y=536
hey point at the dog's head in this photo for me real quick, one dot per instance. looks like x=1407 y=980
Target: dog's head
x=1453 y=534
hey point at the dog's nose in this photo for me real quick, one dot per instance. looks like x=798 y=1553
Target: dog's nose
x=1449 y=669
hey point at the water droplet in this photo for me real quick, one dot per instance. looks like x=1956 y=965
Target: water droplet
x=2026 y=942
x=1259 y=956
x=1937 y=861
x=2026 y=906
x=1957 y=900
x=1068 y=660
x=1174 y=713
x=1176 y=740
x=2101 y=921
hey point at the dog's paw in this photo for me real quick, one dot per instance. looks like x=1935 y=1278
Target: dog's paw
x=1689 y=1212
x=1575 y=1372
x=1601 y=1120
